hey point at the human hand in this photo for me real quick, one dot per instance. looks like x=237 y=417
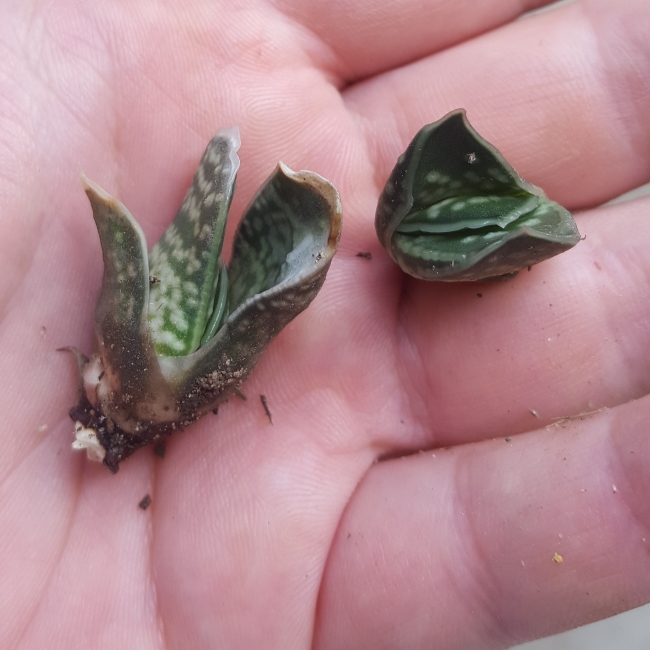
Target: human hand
x=290 y=536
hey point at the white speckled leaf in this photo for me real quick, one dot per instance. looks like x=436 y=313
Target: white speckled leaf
x=281 y=254
x=185 y=263
x=134 y=394
x=121 y=312
x=471 y=212
x=454 y=209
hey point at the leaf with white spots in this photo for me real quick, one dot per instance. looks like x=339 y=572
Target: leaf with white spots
x=185 y=263
x=281 y=254
x=289 y=229
x=454 y=209
x=121 y=311
x=210 y=325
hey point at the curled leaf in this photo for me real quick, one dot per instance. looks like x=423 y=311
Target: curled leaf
x=454 y=209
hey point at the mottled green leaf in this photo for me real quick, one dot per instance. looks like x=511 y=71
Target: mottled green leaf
x=185 y=263
x=282 y=250
x=219 y=310
x=454 y=209
x=121 y=311
x=133 y=395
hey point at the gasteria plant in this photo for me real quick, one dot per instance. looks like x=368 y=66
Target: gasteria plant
x=177 y=332
x=454 y=209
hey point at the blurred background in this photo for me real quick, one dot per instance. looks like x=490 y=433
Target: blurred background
x=628 y=631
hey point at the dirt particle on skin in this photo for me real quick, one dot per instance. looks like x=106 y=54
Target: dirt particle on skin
x=534 y=413
x=557 y=558
x=145 y=502
x=508 y=438
x=267 y=410
x=365 y=255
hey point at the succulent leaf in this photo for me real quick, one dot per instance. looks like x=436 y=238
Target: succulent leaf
x=134 y=393
x=290 y=228
x=121 y=312
x=454 y=209
x=219 y=310
x=282 y=251
x=186 y=261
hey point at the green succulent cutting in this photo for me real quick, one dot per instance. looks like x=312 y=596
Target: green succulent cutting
x=178 y=332
x=453 y=209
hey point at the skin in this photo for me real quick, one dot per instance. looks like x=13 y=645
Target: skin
x=291 y=535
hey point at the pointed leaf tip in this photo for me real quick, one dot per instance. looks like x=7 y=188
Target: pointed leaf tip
x=185 y=262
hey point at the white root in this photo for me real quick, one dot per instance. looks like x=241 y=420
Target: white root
x=87 y=439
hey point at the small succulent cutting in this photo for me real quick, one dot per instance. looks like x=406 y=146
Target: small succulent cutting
x=177 y=332
x=454 y=209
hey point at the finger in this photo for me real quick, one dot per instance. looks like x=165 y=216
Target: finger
x=563 y=95
x=570 y=336
x=367 y=37
x=99 y=588
x=493 y=544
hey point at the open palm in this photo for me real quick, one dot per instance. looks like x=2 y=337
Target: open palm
x=510 y=523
